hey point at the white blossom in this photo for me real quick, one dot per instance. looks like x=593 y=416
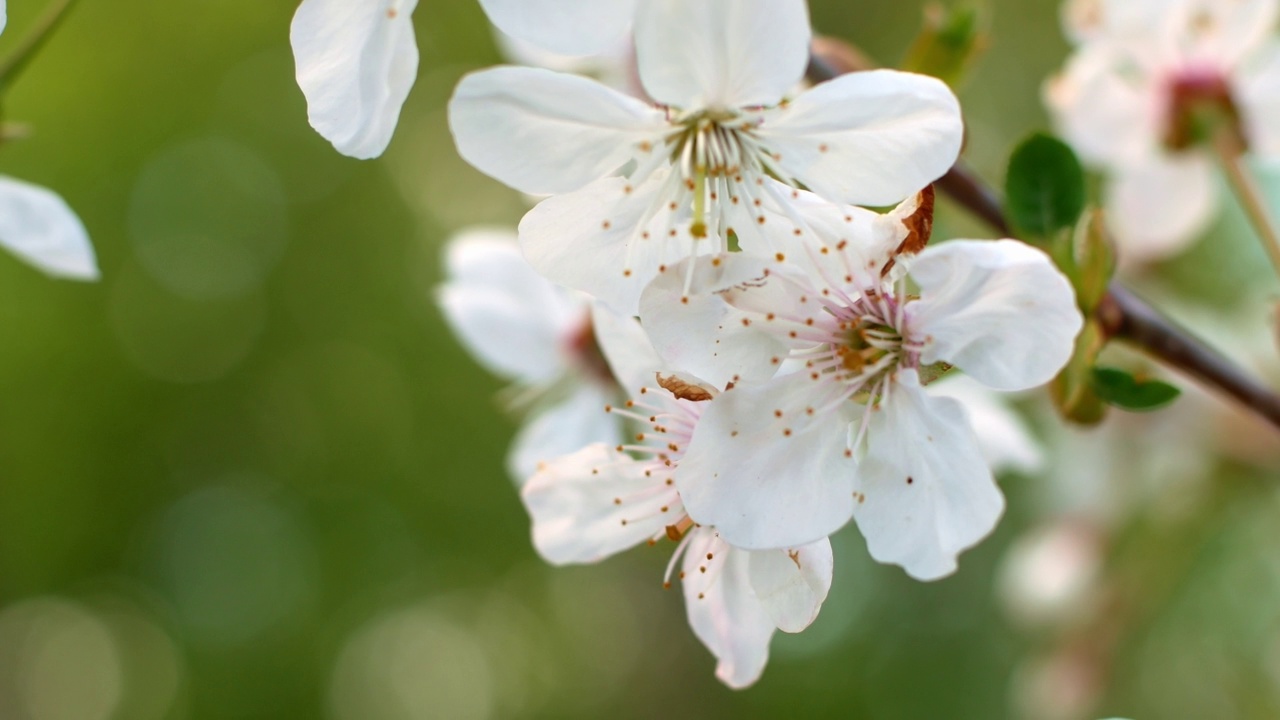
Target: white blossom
x=639 y=187
x=601 y=500
x=829 y=418
x=356 y=62
x=1126 y=97
x=543 y=337
x=38 y=226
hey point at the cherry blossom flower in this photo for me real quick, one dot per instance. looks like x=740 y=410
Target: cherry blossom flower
x=1128 y=97
x=829 y=418
x=356 y=62
x=38 y=226
x=601 y=500
x=522 y=327
x=638 y=188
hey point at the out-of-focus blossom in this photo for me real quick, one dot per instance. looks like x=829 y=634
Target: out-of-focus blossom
x=356 y=61
x=772 y=462
x=639 y=188
x=526 y=329
x=38 y=226
x=601 y=500
x=1130 y=97
x=1048 y=573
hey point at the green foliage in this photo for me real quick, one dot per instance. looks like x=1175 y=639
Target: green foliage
x=1045 y=188
x=1125 y=391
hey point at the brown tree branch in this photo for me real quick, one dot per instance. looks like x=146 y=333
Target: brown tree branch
x=1123 y=315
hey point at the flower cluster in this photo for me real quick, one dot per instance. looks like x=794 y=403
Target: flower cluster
x=775 y=385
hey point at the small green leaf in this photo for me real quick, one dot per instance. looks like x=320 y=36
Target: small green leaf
x=1123 y=390
x=1045 y=188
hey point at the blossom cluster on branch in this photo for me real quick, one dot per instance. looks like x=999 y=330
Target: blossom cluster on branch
x=726 y=313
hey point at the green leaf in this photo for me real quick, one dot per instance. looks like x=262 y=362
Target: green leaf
x=1045 y=188
x=1123 y=390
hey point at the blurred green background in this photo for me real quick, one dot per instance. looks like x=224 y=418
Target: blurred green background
x=250 y=474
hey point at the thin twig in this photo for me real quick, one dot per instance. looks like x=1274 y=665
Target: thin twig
x=1122 y=314
x=17 y=61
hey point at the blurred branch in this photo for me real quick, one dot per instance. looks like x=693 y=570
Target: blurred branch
x=1122 y=314
x=44 y=28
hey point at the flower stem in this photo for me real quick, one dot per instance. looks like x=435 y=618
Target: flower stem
x=33 y=42
x=1230 y=153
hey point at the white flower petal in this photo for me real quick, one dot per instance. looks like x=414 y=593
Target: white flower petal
x=1158 y=208
x=999 y=310
x=926 y=494
x=867 y=138
x=723 y=610
x=702 y=333
x=593 y=504
x=512 y=320
x=1110 y=117
x=4 y=15
x=721 y=54
x=608 y=239
x=766 y=480
x=1003 y=435
x=569 y=27
x=38 y=226
x=792 y=584
x=1259 y=97
x=543 y=132
x=356 y=62
x=1225 y=31
x=563 y=429
x=627 y=349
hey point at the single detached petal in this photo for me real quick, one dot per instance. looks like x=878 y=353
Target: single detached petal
x=792 y=584
x=512 y=320
x=543 y=132
x=356 y=61
x=867 y=138
x=925 y=493
x=1159 y=207
x=768 y=464
x=593 y=504
x=4 y=15
x=721 y=54
x=999 y=310
x=568 y=27
x=563 y=429
x=38 y=226
x=723 y=610
x=627 y=349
